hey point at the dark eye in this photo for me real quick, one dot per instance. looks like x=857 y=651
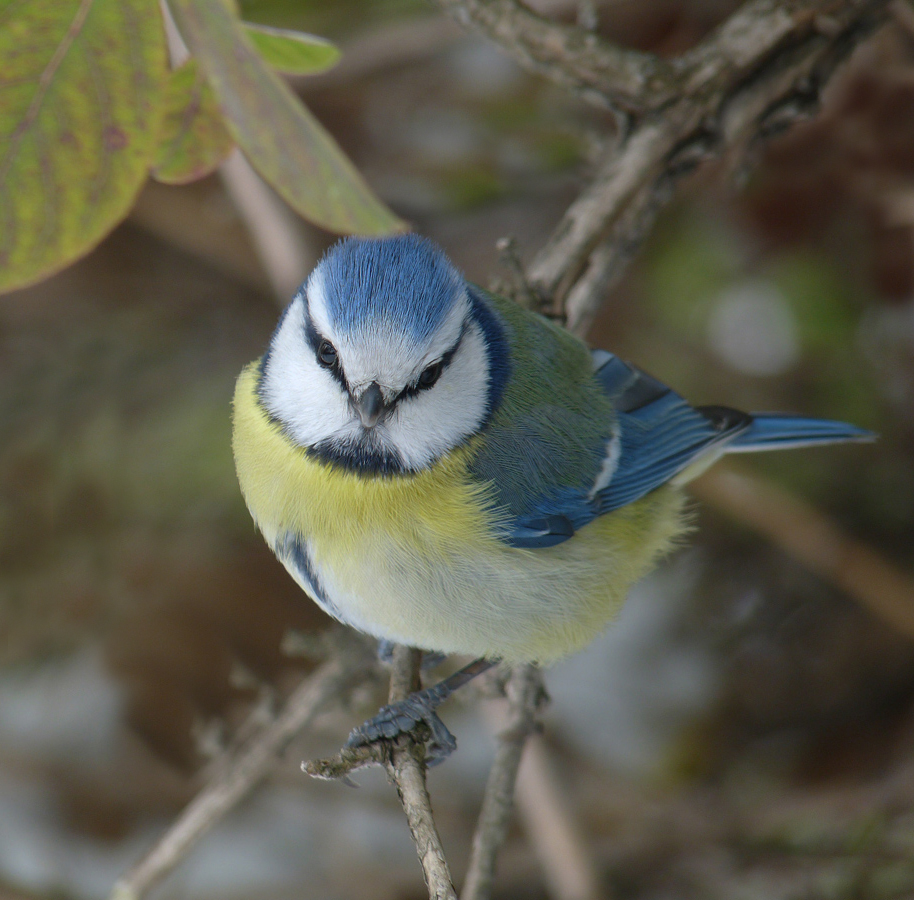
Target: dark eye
x=430 y=375
x=326 y=355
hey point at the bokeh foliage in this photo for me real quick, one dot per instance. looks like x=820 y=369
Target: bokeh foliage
x=88 y=108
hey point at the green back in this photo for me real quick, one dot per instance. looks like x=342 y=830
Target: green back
x=546 y=442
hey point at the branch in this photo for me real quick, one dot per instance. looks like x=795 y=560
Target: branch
x=406 y=769
x=276 y=232
x=628 y=172
x=404 y=760
x=239 y=774
x=609 y=76
x=525 y=692
x=568 y=867
x=762 y=69
x=282 y=245
x=754 y=33
x=608 y=222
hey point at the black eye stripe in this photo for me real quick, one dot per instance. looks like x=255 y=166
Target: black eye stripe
x=316 y=341
x=411 y=390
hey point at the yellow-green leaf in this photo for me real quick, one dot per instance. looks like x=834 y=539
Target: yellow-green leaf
x=194 y=138
x=292 y=52
x=80 y=83
x=279 y=136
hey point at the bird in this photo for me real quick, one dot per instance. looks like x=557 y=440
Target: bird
x=439 y=467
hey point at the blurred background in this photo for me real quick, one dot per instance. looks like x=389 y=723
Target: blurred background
x=746 y=729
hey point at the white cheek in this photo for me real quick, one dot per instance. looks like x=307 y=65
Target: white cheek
x=432 y=422
x=304 y=396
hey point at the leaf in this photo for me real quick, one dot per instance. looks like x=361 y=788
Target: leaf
x=193 y=139
x=292 y=52
x=79 y=117
x=279 y=136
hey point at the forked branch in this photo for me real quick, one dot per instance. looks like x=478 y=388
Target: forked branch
x=758 y=72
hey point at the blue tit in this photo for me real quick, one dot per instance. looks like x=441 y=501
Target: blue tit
x=438 y=467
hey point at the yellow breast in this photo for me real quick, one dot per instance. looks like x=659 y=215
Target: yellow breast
x=287 y=489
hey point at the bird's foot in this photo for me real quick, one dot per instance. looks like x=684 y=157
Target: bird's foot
x=402 y=718
x=420 y=706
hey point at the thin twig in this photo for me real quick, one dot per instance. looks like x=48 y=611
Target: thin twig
x=607 y=262
x=238 y=775
x=619 y=208
x=568 y=866
x=381 y=49
x=624 y=172
x=724 y=93
x=811 y=537
x=605 y=74
x=524 y=690
x=404 y=760
x=279 y=238
x=406 y=769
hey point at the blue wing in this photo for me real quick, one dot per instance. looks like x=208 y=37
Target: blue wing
x=658 y=436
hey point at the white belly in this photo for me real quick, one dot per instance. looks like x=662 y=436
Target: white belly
x=506 y=603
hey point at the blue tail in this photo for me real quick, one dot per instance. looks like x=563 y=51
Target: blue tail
x=771 y=431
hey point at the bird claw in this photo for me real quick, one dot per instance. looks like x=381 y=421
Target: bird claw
x=402 y=718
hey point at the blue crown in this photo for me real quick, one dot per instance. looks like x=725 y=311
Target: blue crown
x=403 y=282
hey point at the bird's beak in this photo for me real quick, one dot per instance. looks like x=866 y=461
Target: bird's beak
x=370 y=405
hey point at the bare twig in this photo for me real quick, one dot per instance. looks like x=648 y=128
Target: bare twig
x=753 y=75
x=515 y=285
x=755 y=33
x=237 y=775
x=607 y=262
x=608 y=222
x=569 y=869
x=381 y=49
x=811 y=537
x=525 y=690
x=276 y=231
x=404 y=760
x=568 y=866
x=406 y=769
x=279 y=238
x=201 y=229
x=625 y=172
x=573 y=57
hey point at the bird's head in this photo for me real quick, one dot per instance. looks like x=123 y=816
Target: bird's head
x=386 y=359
